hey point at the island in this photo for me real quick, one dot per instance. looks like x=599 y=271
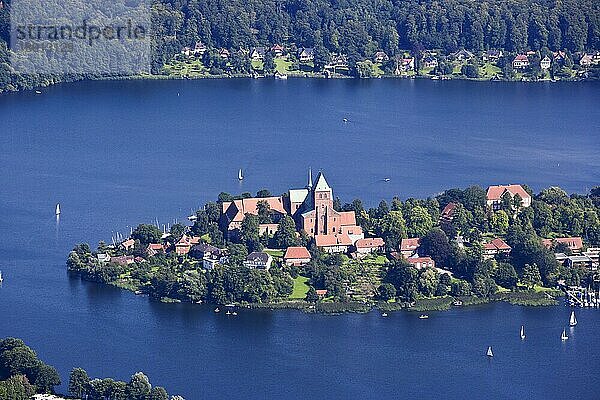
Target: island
x=304 y=249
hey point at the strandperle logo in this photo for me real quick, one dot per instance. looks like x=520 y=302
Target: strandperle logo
x=80 y=37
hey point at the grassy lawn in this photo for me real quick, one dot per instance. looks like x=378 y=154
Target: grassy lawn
x=489 y=70
x=274 y=253
x=257 y=65
x=300 y=288
x=189 y=68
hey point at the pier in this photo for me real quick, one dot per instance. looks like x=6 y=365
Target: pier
x=578 y=296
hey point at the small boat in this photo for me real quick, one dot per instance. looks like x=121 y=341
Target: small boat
x=234 y=313
x=1 y=278
x=384 y=315
x=280 y=76
x=345 y=120
x=572 y=320
x=423 y=316
x=489 y=353
x=228 y=312
x=217 y=310
x=38 y=92
x=522 y=332
x=457 y=303
x=386 y=179
x=57 y=210
x=241 y=175
x=564 y=336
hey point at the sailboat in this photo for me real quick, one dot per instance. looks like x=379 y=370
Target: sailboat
x=572 y=320
x=57 y=211
x=489 y=352
x=522 y=332
x=564 y=336
x=241 y=175
x=1 y=278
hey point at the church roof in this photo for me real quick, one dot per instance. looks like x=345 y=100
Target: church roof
x=321 y=184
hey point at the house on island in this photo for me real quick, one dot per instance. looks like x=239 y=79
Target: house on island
x=575 y=244
x=430 y=62
x=103 y=257
x=492 y=55
x=296 y=256
x=208 y=254
x=559 y=57
x=495 y=193
x=368 y=246
x=409 y=247
x=447 y=214
x=521 y=61
x=495 y=247
x=233 y=212
x=224 y=54
x=127 y=244
x=421 y=262
x=122 y=260
x=258 y=260
x=183 y=246
x=154 y=248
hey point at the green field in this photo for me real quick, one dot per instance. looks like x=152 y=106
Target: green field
x=300 y=288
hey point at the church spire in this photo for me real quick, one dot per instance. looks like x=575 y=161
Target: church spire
x=309 y=186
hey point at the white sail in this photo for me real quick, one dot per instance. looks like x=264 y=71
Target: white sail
x=240 y=174
x=489 y=352
x=564 y=335
x=57 y=211
x=1 y=279
x=522 y=332
x=572 y=320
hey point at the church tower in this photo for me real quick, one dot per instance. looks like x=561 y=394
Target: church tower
x=323 y=201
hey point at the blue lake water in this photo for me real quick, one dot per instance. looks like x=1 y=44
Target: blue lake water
x=118 y=153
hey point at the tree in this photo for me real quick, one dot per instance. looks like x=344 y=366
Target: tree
x=531 y=276
x=138 y=387
x=470 y=71
x=250 y=233
x=418 y=222
x=269 y=63
x=17 y=387
x=146 y=234
x=263 y=193
x=158 y=393
x=484 y=286
x=78 y=382
x=46 y=378
x=364 y=69
x=428 y=281
x=506 y=276
x=311 y=295
x=499 y=222
x=286 y=233
x=237 y=254
x=392 y=229
x=386 y=291
x=264 y=212
x=176 y=231
x=436 y=245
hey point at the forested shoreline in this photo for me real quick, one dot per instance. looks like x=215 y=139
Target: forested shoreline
x=356 y=28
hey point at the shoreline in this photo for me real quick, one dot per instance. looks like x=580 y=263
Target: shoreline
x=446 y=303
x=298 y=76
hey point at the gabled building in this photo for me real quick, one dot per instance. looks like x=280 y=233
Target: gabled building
x=127 y=244
x=154 y=248
x=559 y=57
x=462 y=55
x=492 y=55
x=320 y=220
x=495 y=247
x=257 y=53
x=575 y=244
x=430 y=62
x=380 y=57
x=277 y=50
x=495 y=194
x=306 y=54
x=447 y=214
x=409 y=247
x=296 y=256
x=369 y=245
x=183 y=246
x=233 y=212
x=521 y=61
x=258 y=260
x=545 y=63
x=421 y=262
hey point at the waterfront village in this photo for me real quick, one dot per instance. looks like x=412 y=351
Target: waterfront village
x=304 y=249
x=280 y=61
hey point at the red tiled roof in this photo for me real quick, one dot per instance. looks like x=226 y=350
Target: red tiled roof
x=420 y=260
x=496 y=192
x=333 y=240
x=500 y=244
x=521 y=57
x=410 y=244
x=369 y=243
x=155 y=246
x=574 y=243
x=449 y=209
x=299 y=252
x=321 y=292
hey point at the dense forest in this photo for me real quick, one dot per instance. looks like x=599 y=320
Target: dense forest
x=357 y=28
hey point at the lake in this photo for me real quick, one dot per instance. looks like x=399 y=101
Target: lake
x=115 y=154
